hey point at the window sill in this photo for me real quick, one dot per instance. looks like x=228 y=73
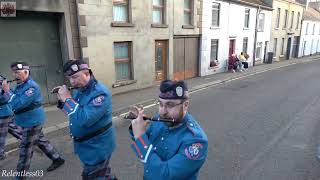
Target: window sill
x=188 y=26
x=159 y=25
x=276 y=28
x=213 y=68
x=123 y=83
x=214 y=27
x=121 y=24
x=245 y=28
x=284 y=28
x=281 y=56
x=260 y=30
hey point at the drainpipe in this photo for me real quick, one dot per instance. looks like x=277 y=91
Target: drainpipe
x=255 y=37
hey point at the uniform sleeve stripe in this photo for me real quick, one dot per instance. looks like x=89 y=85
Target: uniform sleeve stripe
x=74 y=110
x=142 y=141
x=11 y=97
x=147 y=155
x=136 y=147
x=68 y=106
x=73 y=101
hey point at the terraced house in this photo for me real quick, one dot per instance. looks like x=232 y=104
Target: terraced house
x=310 y=33
x=232 y=26
x=286 y=28
x=135 y=44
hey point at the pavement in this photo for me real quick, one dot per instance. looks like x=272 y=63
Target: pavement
x=57 y=122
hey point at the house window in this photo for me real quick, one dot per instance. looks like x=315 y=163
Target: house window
x=158 y=14
x=282 y=47
x=261 y=22
x=121 y=11
x=285 y=24
x=215 y=14
x=314 y=26
x=246 y=18
x=258 y=50
x=278 y=18
x=245 y=45
x=298 y=21
x=307 y=27
x=275 y=47
x=122 y=59
x=214 y=49
x=292 y=16
x=187 y=15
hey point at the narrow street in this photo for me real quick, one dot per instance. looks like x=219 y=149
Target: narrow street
x=260 y=127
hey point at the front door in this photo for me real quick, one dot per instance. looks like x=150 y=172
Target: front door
x=288 y=48
x=161 y=60
x=231 y=47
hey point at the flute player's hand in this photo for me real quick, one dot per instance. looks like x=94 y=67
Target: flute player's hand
x=139 y=126
x=63 y=93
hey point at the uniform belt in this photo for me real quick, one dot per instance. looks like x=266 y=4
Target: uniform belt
x=29 y=108
x=93 y=134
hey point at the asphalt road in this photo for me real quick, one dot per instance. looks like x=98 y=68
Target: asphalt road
x=259 y=128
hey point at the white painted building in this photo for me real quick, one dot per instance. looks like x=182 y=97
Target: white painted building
x=310 y=33
x=229 y=27
x=263 y=35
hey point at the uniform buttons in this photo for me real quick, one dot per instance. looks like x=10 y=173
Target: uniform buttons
x=147 y=171
x=145 y=147
x=165 y=148
x=141 y=156
x=155 y=148
x=162 y=138
x=70 y=124
x=191 y=124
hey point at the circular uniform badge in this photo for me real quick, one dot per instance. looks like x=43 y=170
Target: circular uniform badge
x=74 y=68
x=179 y=91
x=19 y=66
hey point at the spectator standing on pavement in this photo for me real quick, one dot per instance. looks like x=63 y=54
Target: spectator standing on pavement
x=26 y=103
x=90 y=119
x=170 y=150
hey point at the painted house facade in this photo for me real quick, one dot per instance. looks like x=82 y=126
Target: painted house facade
x=233 y=27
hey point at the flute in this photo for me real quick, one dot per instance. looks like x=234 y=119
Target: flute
x=56 y=89
x=131 y=117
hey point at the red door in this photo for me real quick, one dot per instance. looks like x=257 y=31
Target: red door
x=231 y=47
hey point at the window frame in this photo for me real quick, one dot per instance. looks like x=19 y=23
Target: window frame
x=259 y=45
x=314 y=27
x=247 y=21
x=285 y=25
x=189 y=11
x=119 y=60
x=292 y=18
x=259 y=22
x=282 y=47
x=162 y=9
x=275 y=44
x=278 y=18
x=215 y=7
x=243 y=42
x=217 y=49
x=298 y=21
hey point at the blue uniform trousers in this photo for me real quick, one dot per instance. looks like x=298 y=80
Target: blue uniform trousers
x=100 y=171
x=6 y=125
